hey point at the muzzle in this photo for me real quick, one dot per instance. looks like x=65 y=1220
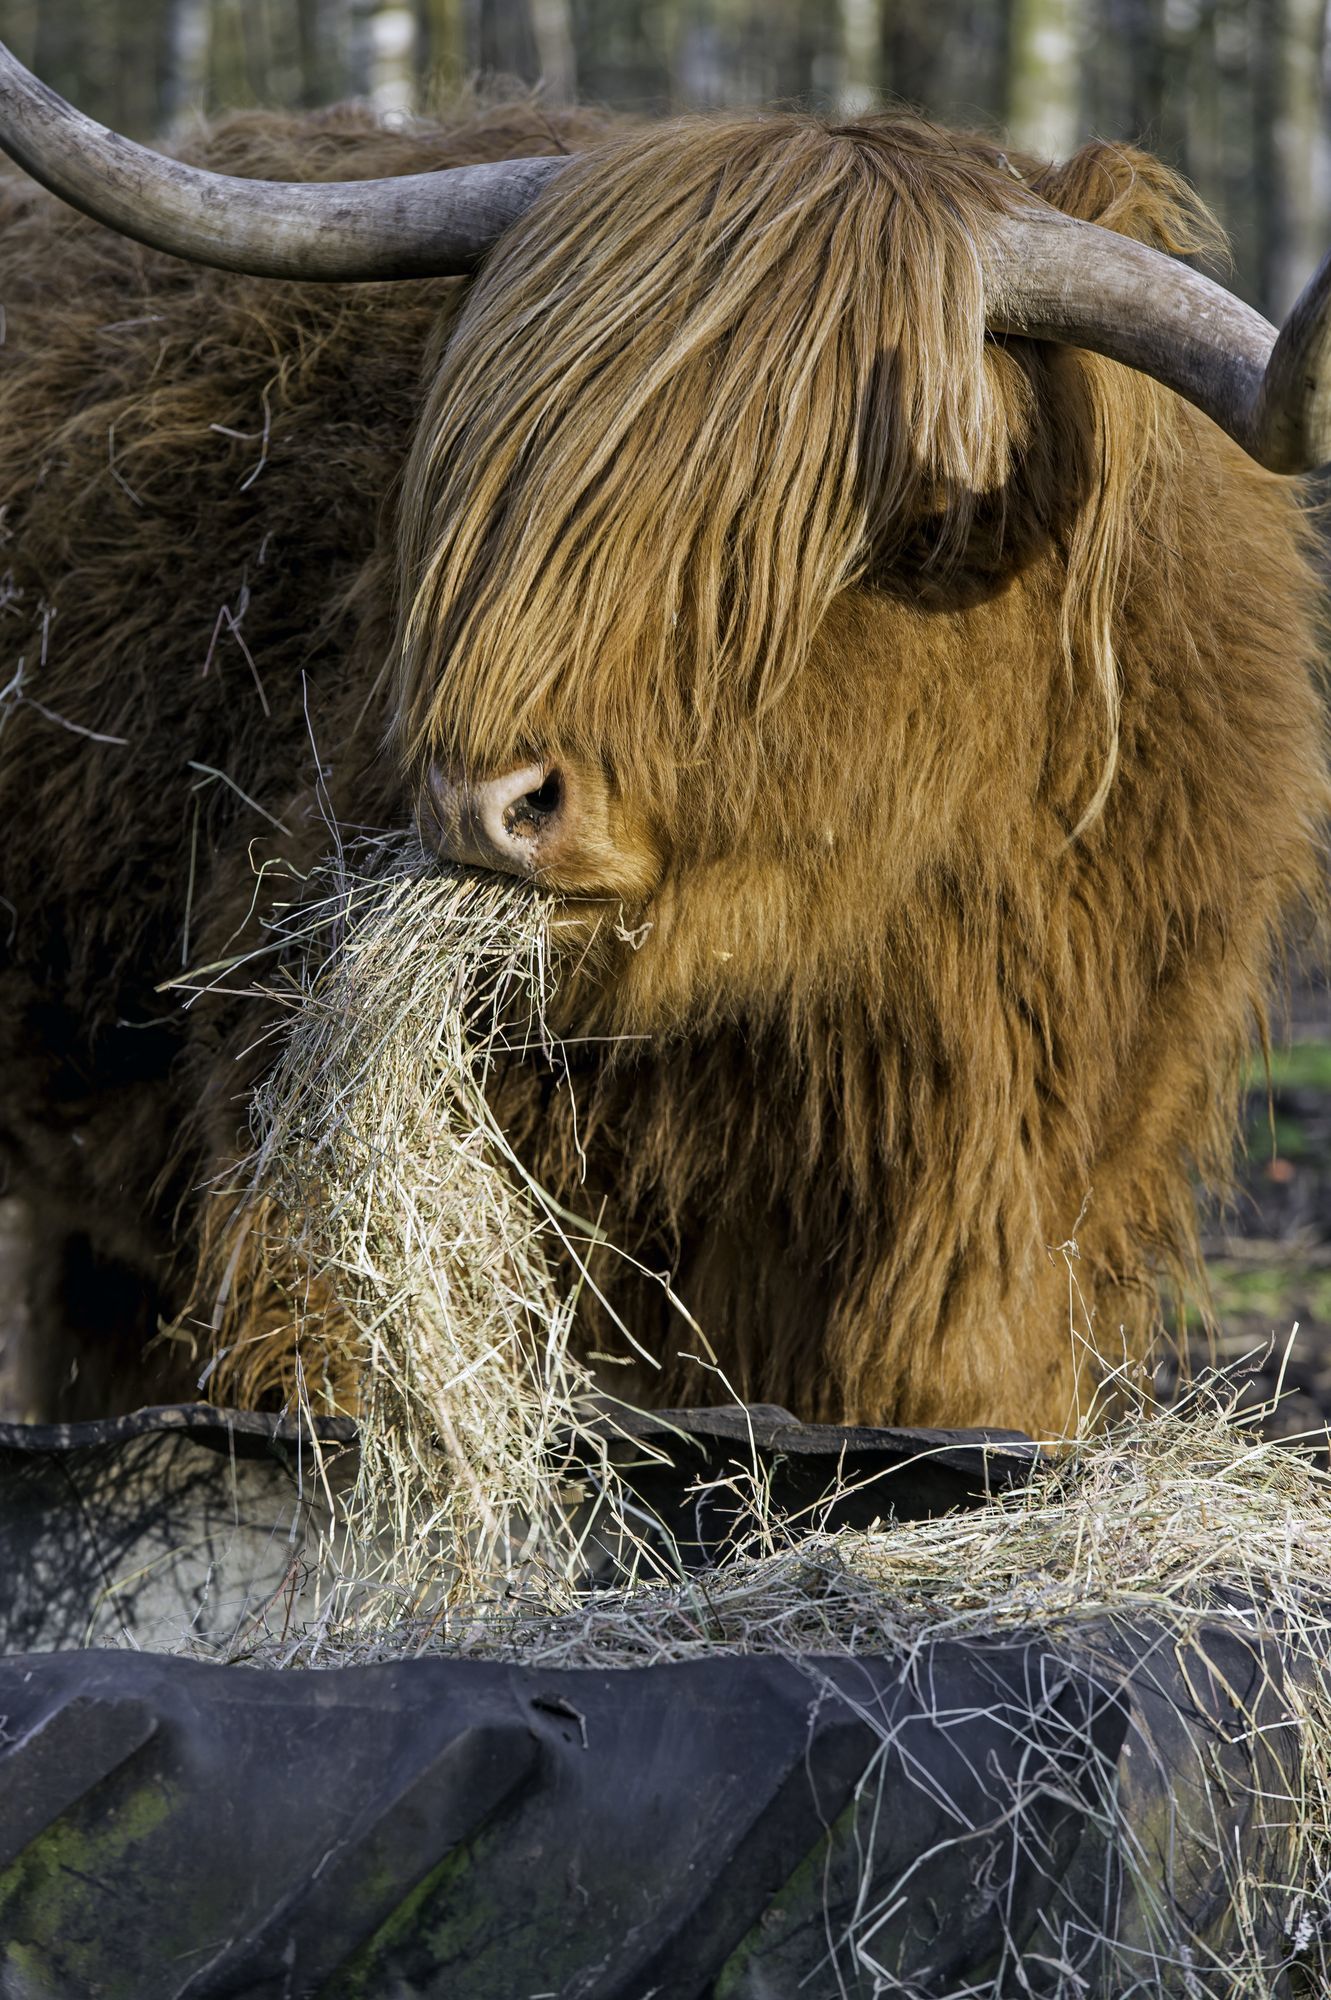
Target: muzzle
x=518 y=823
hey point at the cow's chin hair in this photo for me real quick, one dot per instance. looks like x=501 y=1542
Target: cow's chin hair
x=595 y=940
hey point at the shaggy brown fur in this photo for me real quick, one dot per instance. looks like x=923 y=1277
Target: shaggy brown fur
x=956 y=699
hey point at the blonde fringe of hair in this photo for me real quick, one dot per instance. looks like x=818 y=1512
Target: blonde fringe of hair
x=719 y=374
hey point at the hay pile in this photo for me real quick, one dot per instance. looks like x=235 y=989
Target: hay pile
x=424 y=1283
x=1177 y=1515
x=1178 y=1525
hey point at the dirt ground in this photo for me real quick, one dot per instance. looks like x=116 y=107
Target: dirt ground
x=1269 y=1253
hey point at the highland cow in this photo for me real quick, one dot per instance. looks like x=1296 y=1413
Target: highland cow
x=798 y=540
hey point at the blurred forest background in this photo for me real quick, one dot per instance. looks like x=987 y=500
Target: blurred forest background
x=1235 y=92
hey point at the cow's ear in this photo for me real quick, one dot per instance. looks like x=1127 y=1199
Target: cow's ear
x=1135 y=195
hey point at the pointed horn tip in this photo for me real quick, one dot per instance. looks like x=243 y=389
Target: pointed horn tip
x=414 y=225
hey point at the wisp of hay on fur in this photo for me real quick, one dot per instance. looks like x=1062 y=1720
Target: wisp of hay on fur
x=402 y=1260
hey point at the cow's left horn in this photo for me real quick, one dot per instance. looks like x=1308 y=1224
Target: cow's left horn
x=415 y=225
x=1054 y=278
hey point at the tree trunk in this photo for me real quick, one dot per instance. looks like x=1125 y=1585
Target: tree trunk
x=552 y=26
x=60 y=51
x=863 y=57
x=623 y=51
x=1044 y=93
x=318 y=53
x=911 y=42
x=184 y=60
x=1265 y=69
x=501 y=40
x=441 y=59
x=1300 y=145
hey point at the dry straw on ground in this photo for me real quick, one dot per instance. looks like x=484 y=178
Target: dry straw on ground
x=1178 y=1525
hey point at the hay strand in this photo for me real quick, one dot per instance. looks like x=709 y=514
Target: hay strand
x=389 y=1257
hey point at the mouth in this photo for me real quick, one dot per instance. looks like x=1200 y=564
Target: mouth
x=589 y=927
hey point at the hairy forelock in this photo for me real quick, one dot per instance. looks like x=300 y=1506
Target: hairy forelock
x=724 y=370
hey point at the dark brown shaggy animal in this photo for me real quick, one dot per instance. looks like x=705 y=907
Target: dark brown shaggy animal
x=940 y=711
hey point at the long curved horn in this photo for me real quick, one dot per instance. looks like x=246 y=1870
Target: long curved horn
x=1053 y=278
x=412 y=226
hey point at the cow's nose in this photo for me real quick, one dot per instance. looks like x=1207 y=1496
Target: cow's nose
x=514 y=822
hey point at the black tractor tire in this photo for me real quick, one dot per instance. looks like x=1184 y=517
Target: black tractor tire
x=1001 y=1819
x=1099 y=1809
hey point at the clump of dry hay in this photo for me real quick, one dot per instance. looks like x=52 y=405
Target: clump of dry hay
x=410 y=1257
x=1174 y=1523
x=1179 y=1514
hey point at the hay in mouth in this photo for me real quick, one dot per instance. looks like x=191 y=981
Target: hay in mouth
x=388 y=1255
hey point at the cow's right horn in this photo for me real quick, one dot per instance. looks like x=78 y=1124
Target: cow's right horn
x=414 y=225
x=1054 y=278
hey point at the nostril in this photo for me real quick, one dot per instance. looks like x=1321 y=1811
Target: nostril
x=511 y=822
x=533 y=811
